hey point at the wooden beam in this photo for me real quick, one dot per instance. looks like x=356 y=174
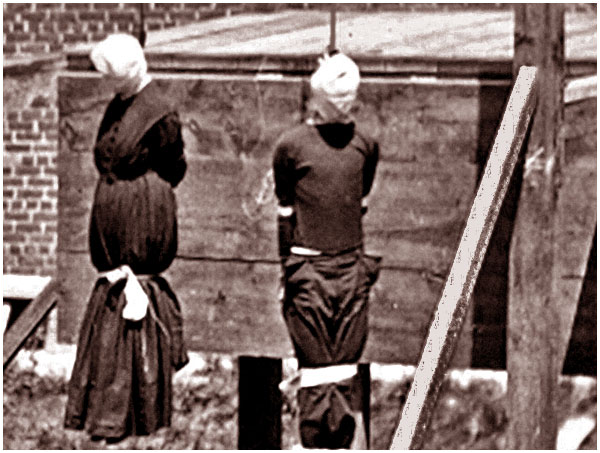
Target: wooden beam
x=453 y=305
x=260 y=401
x=28 y=321
x=533 y=316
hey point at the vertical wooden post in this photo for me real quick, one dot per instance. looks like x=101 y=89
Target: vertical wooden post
x=259 y=407
x=532 y=315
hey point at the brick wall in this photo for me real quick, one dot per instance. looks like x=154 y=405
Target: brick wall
x=31 y=28
x=29 y=173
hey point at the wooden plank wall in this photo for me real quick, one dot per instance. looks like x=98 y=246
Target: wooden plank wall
x=227 y=269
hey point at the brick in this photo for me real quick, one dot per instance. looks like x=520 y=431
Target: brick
x=41 y=182
x=29 y=136
x=39 y=102
x=14 y=249
x=19 y=216
x=13 y=115
x=30 y=193
x=13 y=238
x=103 y=6
x=44 y=148
x=56 y=47
x=75 y=37
x=63 y=27
x=34 y=48
x=48 y=37
x=28 y=228
x=7 y=193
x=19 y=7
x=123 y=16
x=50 y=114
x=29 y=115
x=51 y=136
x=80 y=6
x=27 y=161
x=49 y=170
x=50 y=228
x=44 y=250
x=6 y=172
x=32 y=205
x=9 y=49
x=51 y=193
x=92 y=15
x=98 y=36
x=123 y=26
x=48 y=125
x=18 y=37
x=13 y=182
x=47 y=206
x=18 y=27
x=18 y=148
x=44 y=217
x=15 y=205
x=45 y=238
x=35 y=16
x=8 y=136
x=152 y=26
x=42 y=160
x=64 y=16
x=47 y=6
x=27 y=171
x=22 y=125
x=8 y=227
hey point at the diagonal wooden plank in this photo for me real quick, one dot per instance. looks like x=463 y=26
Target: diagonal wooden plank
x=28 y=321
x=453 y=304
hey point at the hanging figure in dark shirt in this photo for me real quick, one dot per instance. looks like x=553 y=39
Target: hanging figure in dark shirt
x=323 y=171
x=131 y=334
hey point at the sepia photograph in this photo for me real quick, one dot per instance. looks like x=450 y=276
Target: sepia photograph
x=290 y=226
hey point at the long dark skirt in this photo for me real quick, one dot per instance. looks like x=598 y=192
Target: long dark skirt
x=326 y=313
x=121 y=380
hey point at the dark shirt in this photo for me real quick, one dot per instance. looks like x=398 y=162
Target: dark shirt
x=323 y=172
x=139 y=155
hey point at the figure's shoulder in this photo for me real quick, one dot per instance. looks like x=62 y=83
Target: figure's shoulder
x=365 y=140
x=361 y=133
x=293 y=137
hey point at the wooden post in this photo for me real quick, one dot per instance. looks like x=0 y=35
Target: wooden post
x=453 y=305
x=532 y=325
x=259 y=407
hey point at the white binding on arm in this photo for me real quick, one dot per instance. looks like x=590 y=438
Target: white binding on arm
x=285 y=211
x=364 y=202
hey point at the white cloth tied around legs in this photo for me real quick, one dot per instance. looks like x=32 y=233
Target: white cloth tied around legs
x=136 y=300
x=311 y=377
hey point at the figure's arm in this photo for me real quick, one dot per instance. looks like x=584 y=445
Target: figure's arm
x=369 y=168
x=165 y=144
x=283 y=171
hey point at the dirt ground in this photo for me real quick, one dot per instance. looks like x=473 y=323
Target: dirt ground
x=470 y=414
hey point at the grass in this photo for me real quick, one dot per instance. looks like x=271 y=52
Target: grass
x=470 y=414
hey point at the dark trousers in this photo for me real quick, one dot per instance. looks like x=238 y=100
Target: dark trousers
x=326 y=313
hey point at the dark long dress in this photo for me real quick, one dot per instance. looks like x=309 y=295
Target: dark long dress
x=121 y=380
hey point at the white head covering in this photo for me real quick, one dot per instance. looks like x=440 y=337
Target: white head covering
x=121 y=56
x=334 y=86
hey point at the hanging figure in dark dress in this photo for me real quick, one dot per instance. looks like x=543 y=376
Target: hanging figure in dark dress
x=131 y=336
x=323 y=171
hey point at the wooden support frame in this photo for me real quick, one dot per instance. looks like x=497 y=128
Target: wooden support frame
x=28 y=321
x=454 y=302
x=533 y=324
